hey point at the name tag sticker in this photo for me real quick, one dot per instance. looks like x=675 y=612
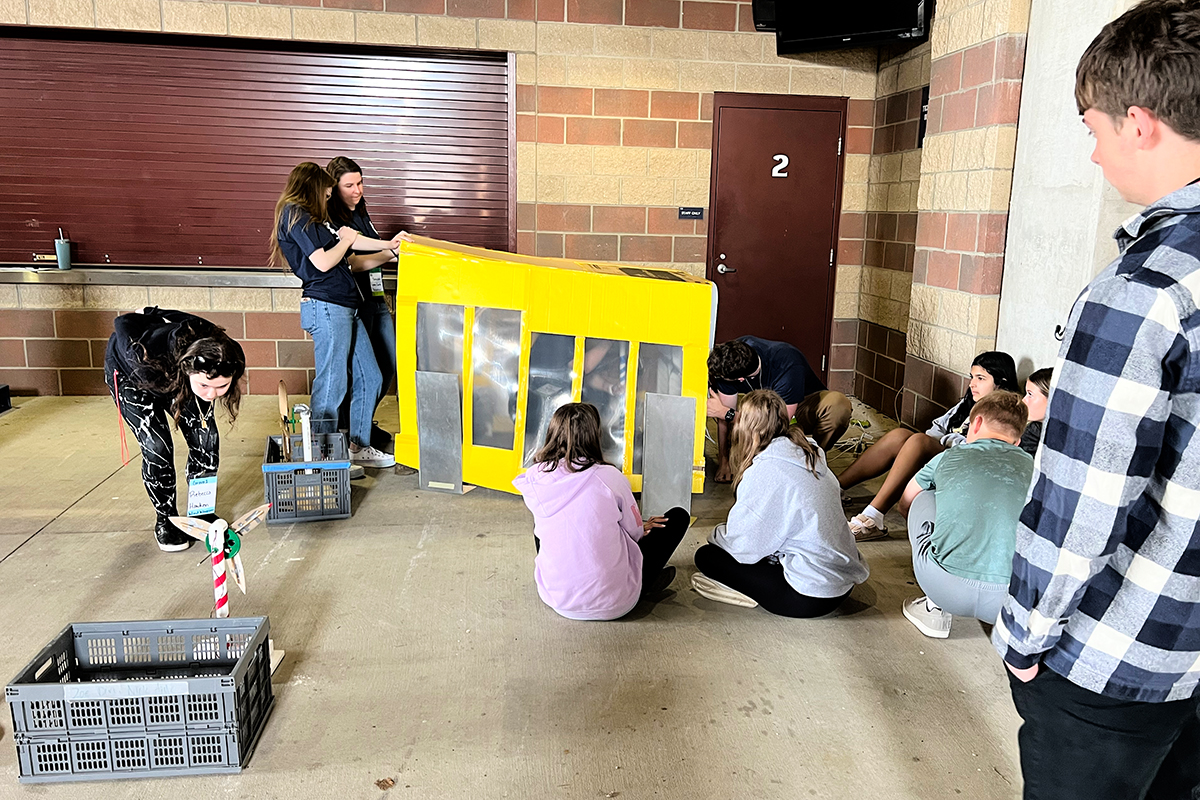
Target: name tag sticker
x=202 y=495
x=376 y=276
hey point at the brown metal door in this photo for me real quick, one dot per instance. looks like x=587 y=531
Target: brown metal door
x=773 y=214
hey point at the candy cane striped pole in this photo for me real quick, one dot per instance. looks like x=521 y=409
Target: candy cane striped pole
x=216 y=543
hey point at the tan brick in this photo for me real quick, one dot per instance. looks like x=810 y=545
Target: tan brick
x=564 y=159
x=512 y=35
x=564 y=39
x=854 y=197
x=1001 y=190
x=910 y=168
x=849 y=278
x=816 y=80
x=550 y=189
x=696 y=270
x=551 y=70
x=8 y=295
x=646 y=73
x=621 y=41
x=938 y=153
x=390 y=29
x=526 y=157
x=1000 y=147
x=845 y=305
x=50 y=295
x=264 y=22
x=742 y=48
x=12 y=12
x=909 y=76
x=707 y=77
x=682 y=45
x=856 y=168
x=925 y=191
x=985 y=315
x=622 y=161
x=647 y=192
x=859 y=85
x=527 y=188
x=939 y=37
x=979 y=190
x=923 y=303
x=966 y=27
x=672 y=163
x=188 y=16
x=969 y=149
x=323 y=24
x=691 y=191
x=877 y=197
x=954 y=310
x=593 y=189
x=759 y=78
x=704 y=167
x=183 y=298
x=229 y=299
x=527 y=68
x=129 y=15
x=445 y=32
x=962 y=351
x=594 y=71
x=951 y=191
x=888 y=80
x=889 y=167
x=285 y=300
x=62 y=13
x=119 y=297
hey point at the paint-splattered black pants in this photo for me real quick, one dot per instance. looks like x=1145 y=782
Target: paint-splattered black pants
x=149 y=418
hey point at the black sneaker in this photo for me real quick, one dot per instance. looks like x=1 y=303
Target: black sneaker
x=660 y=583
x=170 y=539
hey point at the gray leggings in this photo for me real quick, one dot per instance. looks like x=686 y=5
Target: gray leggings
x=961 y=597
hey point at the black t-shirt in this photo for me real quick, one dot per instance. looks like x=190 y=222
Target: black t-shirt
x=149 y=337
x=299 y=237
x=1032 y=437
x=360 y=220
x=784 y=369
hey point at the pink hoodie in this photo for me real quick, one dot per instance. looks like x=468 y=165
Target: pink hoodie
x=589 y=565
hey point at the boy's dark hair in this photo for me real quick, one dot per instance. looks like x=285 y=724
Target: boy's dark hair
x=1002 y=409
x=573 y=439
x=731 y=360
x=1148 y=57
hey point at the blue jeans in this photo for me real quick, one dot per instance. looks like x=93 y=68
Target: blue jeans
x=382 y=330
x=961 y=597
x=345 y=364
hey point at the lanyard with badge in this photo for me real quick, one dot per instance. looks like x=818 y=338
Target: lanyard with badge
x=202 y=489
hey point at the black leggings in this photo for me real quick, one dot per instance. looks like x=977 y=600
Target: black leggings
x=764 y=582
x=657 y=545
x=149 y=418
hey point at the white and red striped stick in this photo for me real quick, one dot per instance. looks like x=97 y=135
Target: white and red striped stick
x=216 y=543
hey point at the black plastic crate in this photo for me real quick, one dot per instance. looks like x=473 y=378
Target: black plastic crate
x=111 y=700
x=306 y=491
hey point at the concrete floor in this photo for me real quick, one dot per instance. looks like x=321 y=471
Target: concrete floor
x=418 y=650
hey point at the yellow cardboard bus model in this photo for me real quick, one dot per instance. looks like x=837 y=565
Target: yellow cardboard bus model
x=526 y=335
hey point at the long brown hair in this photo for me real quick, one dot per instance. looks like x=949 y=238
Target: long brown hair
x=306 y=185
x=339 y=212
x=762 y=417
x=1041 y=379
x=213 y=355
x=573 y=439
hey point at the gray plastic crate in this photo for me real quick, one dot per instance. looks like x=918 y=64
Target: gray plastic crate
x=109 y=700
x=306 y=491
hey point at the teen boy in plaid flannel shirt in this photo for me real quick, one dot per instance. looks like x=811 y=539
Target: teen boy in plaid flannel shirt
x=1101 y=629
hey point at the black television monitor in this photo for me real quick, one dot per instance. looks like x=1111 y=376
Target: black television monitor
x=804 y=27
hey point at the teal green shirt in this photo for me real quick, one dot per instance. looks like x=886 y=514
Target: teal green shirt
x=981 y=488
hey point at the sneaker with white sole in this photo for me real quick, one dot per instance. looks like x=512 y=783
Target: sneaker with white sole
x=370 y=457
x=866 y=529
x=707 y=587
x=929 y=619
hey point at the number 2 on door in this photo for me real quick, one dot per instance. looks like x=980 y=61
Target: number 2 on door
x=780 y=168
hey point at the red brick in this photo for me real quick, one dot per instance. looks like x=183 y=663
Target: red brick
x=526 y=243
x=593 y=130
x=58 y=353
x=526 y=216
x=595 y=12
x=552 y=217
x=945 y=75
x=645 y=248
x=12 y=353
x=83 y=324
x=908 y=408
x=896 y=348
x=618 y=219
x=30 y=323
x=947 y=386
x=675 y=105
x=416 y=6
x=858 y=140
x=979 y=64
x=98 y=347
x=943 y=269
x=933 y=120
x=706 y=106
x=906 y=227
x=852 y=225
x=958 y=111
x=266 y=381
x=649 y=133
x=885 y=227
x=709 y=16
x=896 y=108
x=981 y=274
x=259 y=353
x=493 y=9
x=746 y=18
x=915 y=100
x=842 y=356
x=842 y=381
x=860 y=112
x=690 y=249
x=591 y=247
x=667 y=221
x=31 y=381
x=1010 y=58
x=850 y=252
x=83 y=382
x=999 y=103
x=696 y=135
x=961 y=230
x=873 y=253
x=295 y=355
x=234 y=322
x=652 y=13
x=622 y=103
x=526 y=127
x=563 y=100
x=551 y=10
x=313 y=3
x=550 y=129
x=895 y=255
x=526 y=97
x=522 y=9
x=273 y=325
x=993 y=229
x=885 y=139
x=845 y=331
x=918 y=376
x=550 y=245
x=906 y=136
x=357 y=5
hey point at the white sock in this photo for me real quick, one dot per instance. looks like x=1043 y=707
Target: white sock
x=872 y=512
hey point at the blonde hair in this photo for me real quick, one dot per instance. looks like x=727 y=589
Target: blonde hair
x=1002 y=409
x=762 y=417
x=306 y=185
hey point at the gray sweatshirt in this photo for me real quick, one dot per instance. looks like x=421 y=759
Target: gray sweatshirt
x=782 y=510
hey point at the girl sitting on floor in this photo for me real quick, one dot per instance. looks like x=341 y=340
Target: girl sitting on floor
x=785 y=545
x=596 y=557
x=1037 y=396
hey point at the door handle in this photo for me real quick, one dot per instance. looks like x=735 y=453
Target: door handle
x=721 y=268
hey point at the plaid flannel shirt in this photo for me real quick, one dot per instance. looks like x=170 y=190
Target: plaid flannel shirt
x=1105 y=588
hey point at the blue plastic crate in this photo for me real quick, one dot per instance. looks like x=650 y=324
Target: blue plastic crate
x=307 y=491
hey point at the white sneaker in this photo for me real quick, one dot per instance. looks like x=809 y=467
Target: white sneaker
x=370 y=457
x=707 y=587
x=929 y=619
x=866 y=529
